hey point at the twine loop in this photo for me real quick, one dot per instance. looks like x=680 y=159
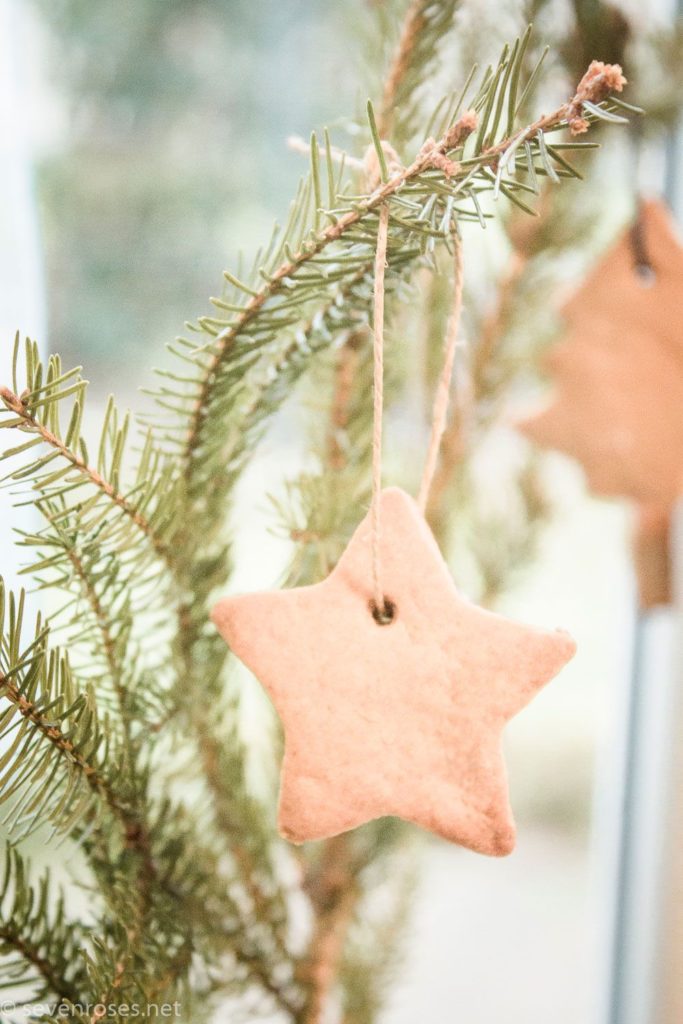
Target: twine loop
x=382 y=608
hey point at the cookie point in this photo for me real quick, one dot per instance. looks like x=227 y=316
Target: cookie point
x=216 y=614
x=569 y=645
x=531 y=426
x=291 y=838
x=397 y=495
x=292 y=835
x=503 y=842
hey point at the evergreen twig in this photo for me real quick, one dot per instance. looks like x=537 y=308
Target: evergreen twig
x=29 y=422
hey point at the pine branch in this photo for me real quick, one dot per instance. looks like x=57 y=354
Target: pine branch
x=191 y=913
x=118 y=975
x=35 y=411
x=41 y=695
x=94 y=544
x=39 y=947
x=97 y=579
x=240 y=819
x=97 y=621
x=428 y=185
x=102 y=618
x=334 y=893
x=59 y=764
x=424 y=27
x=52 y=732
x=31 y=425
x=454 y=444
x=371 y=953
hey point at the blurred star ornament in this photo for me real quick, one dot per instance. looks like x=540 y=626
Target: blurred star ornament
x=393 y=691
x=618 y=401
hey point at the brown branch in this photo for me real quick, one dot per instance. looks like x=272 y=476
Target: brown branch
x=53 y=733
x=413 y=24
x=147 y=872
x=210 y=750
x=334 y=893
x=454 y=440
x=258 y=969
x=345 y=369
x=58 y=986
x=106 y=998
x=135 y=834
x=180 y=963
x=108 y=641
x=523 y=233
x=16 y=405
x=332 y=885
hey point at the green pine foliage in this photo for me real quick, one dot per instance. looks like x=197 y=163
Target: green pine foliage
x=39 y=944
x=119 y=724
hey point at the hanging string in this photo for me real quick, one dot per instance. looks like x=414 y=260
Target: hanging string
x=642 y=264
x=381 y=611
x=440 y=407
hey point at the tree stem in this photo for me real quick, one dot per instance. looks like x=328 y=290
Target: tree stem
x=16 y=405
x=334 y=893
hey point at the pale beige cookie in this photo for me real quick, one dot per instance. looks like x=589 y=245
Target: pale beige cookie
x=400 y=719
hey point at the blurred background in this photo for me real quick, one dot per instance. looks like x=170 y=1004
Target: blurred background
x=144 y=146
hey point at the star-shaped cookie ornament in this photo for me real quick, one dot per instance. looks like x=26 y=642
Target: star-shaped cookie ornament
x=403 y=718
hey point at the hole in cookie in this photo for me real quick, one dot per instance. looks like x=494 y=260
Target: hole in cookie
x=386 y=614
x=645 y=274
